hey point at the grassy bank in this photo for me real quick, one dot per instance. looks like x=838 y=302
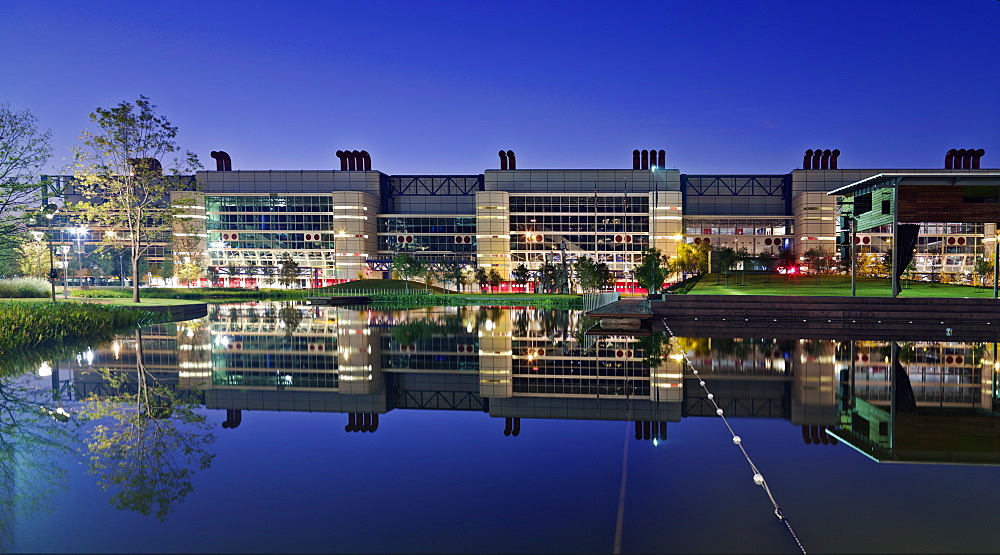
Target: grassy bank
x=31 y=332
x=829 y=285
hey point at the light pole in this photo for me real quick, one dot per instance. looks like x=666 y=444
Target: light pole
x=50 y=212
x=79 y=232
x=65 y=251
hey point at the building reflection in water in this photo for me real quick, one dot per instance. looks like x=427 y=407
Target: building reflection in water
x=893 y=401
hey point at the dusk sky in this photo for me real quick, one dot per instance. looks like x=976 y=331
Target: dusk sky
x=439 y=87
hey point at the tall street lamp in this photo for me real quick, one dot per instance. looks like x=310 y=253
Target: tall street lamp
x=50 y=212
x=79 y=232
x=65 y=251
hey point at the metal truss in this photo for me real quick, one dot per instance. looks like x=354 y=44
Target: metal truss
x=448 y=400
x=736 y=185
x=415 y=185
x=436 y=264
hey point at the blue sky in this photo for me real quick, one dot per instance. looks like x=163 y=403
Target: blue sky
x=439 y=87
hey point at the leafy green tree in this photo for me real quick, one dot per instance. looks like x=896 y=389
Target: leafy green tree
x=120 y=171
x=982 y=268
x=593 y=276
x=188 y=272
x=652 y=272
x=691 y=258
x=146 y=443
x=495 y=279
x=213 y=275
x=34 y=259
x=745 y=259
x=788 y=261
x=407 y=267
x=167 y=270
x=232 y=271
x=725 y=259
x=288 y=270
x=24 y=150
x=521 y=275
x=482 y=278
x=456 y=274
x=549 y=276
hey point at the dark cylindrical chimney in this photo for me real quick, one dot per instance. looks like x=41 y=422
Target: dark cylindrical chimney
x=635 y=159
x=343 y=160
x=638 y=427
x=949 y=159
x=817 y=156
x=511 y=159
x=645 y=160
x=824 y=163
x=350 y=423
x=833 y=158
x=960 y=159
x=367 y=160
x=517 y=421
x=807 y=160
x=662 y=159
x=356 y=162
x=975 y=158
x=970 y=153
x=222 y=161
x=374 y=421
x=503 y=159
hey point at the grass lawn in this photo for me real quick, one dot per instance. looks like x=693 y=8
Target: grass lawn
x=116 y=302
x=829 y=285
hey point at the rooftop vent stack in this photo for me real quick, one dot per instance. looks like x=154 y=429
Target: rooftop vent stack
x=223 y=162
x=817 y=157
x=343 y=160
x=969 y=155
x=949 y=159
x=825 y=161
x=645 y=160
x=960 y=158
x=355 y=161
x=511 y=160
x=367 y=160
x=807 y=160
x=635 y=160
x=503 y=159
x=833 y=158
x=975 y=158
x=662 y=159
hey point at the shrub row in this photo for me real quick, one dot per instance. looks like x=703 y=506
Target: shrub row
x=24 y=288
x=31 y=331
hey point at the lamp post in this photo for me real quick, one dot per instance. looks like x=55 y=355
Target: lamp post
x=65 y=251
x=50 y=212
x=79 y=232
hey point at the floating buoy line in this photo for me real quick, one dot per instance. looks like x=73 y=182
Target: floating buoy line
x=758 y=477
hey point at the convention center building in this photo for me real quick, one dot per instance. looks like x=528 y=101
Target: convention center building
x=349 y=223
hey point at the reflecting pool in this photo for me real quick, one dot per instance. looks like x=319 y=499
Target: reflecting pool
x=287 y=427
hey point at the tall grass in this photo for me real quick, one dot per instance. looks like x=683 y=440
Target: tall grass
x=32 y=332
x=24 y=288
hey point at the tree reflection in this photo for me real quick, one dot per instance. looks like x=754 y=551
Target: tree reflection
x=35 y=433
x=146 y=442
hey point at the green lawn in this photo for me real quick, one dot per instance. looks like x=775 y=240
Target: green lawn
x=829 y=285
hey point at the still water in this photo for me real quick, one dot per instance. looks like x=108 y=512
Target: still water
x=283 y=427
